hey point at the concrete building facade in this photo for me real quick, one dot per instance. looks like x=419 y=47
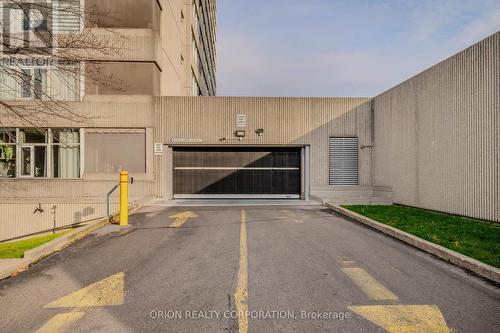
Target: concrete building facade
x=164 y=47
x=130 y=47
x=437 y=135
x=126 y=130
x=430 y=142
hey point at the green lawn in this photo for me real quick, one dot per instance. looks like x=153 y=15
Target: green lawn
x=474 y=238
x=16 y=249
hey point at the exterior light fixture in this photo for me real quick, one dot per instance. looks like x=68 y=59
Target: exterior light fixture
x=239 y=133
x=259 y=131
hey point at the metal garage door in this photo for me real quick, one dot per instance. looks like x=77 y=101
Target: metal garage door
x=237 y=172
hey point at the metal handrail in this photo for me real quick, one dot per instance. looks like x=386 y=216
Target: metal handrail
x=107 y=199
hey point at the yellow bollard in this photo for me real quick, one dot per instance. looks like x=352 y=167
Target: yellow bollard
x=124 y=198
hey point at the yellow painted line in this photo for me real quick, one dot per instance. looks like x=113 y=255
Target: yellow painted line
x=241 y=292
x=347 y=262
x=60 y=322
x=405 y=318
x=181 y=218
x=370 y=286
x=293 y=216
x=108 y=291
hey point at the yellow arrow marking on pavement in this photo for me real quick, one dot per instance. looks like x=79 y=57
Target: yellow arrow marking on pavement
x=405 y=318
x=370 y=286
x=109 y=291
x=60 y=322
x=241 y=292
x=181 y=218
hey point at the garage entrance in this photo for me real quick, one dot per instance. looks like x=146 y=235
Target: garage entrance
x=240 y=172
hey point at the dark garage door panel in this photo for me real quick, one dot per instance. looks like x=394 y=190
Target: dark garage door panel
x=237 y=157
x=226 y=171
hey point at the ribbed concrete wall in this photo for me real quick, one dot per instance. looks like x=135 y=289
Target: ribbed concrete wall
x=286 y=121
x=18 y=218
x=437 y=135
x=435 y=139
x=69 y=189
x=77 y=200
x=94 y=111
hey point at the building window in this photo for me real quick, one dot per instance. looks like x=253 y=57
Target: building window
x=196 y=20
x=7 y=153
x=60 y=83
x=7 y=84
x=26 y=20
x=39 y=153
x=65 y=153
x=343 y=153
x=65 y=83
x=39 y=80
x=33 y=144
x=195 y=51
x=32 y=83
x=110 y=151
x=67 y=15
x=25 y=84
x=195 y=88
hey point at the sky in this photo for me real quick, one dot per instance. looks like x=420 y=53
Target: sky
x=340 y=48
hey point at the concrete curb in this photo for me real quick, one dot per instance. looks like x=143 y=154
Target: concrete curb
x=9 y=267
x=486 y=271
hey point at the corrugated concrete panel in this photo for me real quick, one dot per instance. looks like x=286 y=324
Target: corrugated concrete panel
x=94 y=111
x=77 y=199
x=286 y=121
x=69 y=189
x=437 y=135
x=18 y=219
x=365 y=140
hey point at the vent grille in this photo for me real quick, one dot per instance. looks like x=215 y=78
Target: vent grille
x=343 y=161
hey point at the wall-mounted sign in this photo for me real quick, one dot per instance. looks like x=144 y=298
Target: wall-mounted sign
x=241 y=120
x=186 y=140
x=158 y=148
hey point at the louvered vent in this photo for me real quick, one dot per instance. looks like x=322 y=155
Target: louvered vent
x=343 y=161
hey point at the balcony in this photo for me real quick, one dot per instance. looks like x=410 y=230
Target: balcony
x=123 y=14
x=131 y=44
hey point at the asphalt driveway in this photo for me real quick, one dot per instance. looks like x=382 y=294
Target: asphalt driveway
x=246 y=269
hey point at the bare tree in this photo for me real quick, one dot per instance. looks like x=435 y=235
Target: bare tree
x=32 y=36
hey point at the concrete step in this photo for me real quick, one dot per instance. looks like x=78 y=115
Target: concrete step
x=357 y=200
x=232 y=202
